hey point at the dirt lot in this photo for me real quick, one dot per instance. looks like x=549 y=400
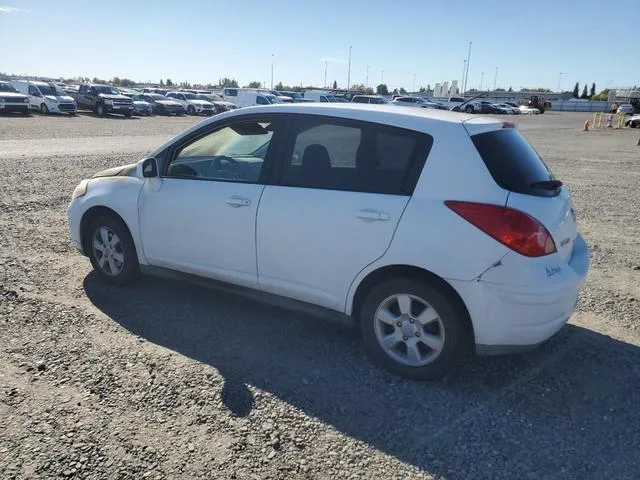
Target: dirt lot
x=168 y=380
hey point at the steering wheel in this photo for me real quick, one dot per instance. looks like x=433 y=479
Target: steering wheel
x=233 y=167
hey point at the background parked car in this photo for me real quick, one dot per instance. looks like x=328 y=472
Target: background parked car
x=625 y=108
x=322 y=96
x=102 y=99
x=372 y=99
x=408 y=101
x=280 y=97
x=193 y=104
x=163 y=105
x=140 y=106
x=46 y=97
x=12 y=101
x=633 y=121
x=219 y=104
x=511 y=110
x=295 y=96
x=250 y=97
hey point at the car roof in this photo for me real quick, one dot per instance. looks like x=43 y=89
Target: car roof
x=418 y=119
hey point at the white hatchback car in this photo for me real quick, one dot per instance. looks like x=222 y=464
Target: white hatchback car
x=438 y=232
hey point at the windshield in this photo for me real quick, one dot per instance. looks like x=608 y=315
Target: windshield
x=104 y=89
x=210 y=97
x=47 y=90
x=5 y=87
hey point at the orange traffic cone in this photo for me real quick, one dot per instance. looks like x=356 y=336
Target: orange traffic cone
x=586 y=126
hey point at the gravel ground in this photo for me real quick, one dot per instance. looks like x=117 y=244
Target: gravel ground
x=168 y=380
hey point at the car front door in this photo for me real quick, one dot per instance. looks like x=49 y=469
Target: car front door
x=199 y=216
x=35 y=98
x=340 y=190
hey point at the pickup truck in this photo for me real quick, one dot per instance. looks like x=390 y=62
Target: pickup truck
x=102 y=99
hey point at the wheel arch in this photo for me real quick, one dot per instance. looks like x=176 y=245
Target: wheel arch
x=95 y=212
x=406 y=271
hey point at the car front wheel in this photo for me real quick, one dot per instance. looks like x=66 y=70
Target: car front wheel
x=415 y=329
x=111 y=250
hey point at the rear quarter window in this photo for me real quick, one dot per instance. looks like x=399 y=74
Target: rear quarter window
x=512 y=162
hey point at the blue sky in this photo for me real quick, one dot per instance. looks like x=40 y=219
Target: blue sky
x=197 y=40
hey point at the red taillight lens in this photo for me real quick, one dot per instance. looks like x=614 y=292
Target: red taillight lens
x=513 y=228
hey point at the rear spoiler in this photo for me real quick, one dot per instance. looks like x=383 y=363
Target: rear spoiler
x=478 y=125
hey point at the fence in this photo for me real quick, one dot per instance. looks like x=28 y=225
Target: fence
x=580 y=106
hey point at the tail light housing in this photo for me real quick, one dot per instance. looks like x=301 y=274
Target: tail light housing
x=515 y=229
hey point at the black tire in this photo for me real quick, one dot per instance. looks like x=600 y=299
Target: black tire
x=468 y=109
x=191 y=110
x=129 y=268
x=44 y=109
x=26 y=113
x=452 y=319
x=128 y=114
x=100 y=110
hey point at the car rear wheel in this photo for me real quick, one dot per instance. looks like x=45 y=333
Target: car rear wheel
x=111 y=250
x=44 y=109
x=414 y=329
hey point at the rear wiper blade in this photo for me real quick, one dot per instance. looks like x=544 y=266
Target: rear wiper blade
x=547 y=184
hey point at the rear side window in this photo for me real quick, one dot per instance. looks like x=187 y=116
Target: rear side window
x=355 y=156
x=513 y=163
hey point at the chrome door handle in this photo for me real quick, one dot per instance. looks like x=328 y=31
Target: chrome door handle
x=237 y=202
x=372 y=216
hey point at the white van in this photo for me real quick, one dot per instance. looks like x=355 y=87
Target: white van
x=320 y=96
x=248 y=98
x=46 y=97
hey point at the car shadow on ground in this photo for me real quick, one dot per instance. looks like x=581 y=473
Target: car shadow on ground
x=108 y=116
x=568 y=409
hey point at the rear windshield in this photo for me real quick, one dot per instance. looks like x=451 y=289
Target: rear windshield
x=513 y=163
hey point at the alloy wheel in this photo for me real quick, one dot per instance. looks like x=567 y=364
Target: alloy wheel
x=108 y=251
x=409 y=330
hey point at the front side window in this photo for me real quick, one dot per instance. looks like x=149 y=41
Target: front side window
x=232 y=153
x=260 y=100
x=355 y=156
x=33 y=90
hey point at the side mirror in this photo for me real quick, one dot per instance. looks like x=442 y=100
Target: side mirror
x=150 y=168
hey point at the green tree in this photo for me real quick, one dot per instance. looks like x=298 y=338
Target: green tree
x=335 y=85
x=168 y=83
x=280 y=87
x=402 y=91
x=229 y=82
x=382 y=89
x=422 y=90
x=584 y=95
x=576 y=90
x=593 y=90
x=510 y=89
x=254 y=84
x=500 y=89
x=161 y=82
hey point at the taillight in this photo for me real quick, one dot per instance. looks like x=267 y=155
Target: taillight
x=513 y=228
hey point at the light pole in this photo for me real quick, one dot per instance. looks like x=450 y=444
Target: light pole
x=325 y=73
x=559 y=81
x=349 y=71
x=464 y=67
x=382 y=76
x=466 y=77
x=272 y=71
x=495 y=79
x=366 y=82
x=414 y=83
x=481 y=80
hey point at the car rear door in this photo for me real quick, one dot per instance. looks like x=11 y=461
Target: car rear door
x=518 y=168
x=338 y=194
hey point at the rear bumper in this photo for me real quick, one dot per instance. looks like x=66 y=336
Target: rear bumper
x=523 y=302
